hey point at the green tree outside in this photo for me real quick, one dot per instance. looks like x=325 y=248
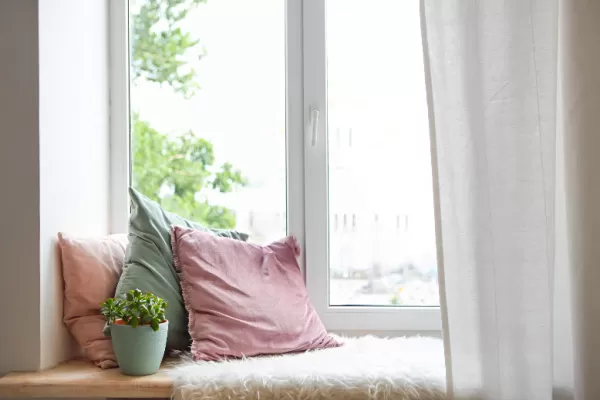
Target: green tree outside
x=181 y=166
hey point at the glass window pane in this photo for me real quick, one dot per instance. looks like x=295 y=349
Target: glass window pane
x=381 y=221
x=208 y=111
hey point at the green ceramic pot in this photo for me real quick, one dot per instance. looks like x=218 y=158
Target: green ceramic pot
x=139 y=350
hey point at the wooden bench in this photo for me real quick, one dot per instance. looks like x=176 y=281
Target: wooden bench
x=79 y=378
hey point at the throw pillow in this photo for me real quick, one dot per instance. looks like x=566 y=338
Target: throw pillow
x=91 y=269
x=149 y=261
x=244 y=299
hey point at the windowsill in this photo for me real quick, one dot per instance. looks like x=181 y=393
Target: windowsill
x=413 y=360
x=80 y=378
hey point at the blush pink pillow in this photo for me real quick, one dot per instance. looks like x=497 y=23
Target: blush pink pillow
x=244 y=299
x=91 y=269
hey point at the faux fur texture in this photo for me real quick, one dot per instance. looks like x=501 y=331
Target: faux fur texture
x=364 y=368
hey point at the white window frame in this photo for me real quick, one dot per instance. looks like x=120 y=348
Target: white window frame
x=306 y=163
x=119 y=138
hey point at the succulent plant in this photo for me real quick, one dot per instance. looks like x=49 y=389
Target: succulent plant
x=134 y=309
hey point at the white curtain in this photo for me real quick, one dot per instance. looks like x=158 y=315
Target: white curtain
x=514 y=93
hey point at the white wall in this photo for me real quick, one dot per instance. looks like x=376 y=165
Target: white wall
x=54 y=144
x=74 y=143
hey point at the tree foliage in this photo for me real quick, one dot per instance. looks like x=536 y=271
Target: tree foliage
x=174 y=170
x=160 y=46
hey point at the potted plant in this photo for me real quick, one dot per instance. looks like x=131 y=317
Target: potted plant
x=136 y=322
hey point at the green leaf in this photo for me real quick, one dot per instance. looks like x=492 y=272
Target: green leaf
x=155 y=325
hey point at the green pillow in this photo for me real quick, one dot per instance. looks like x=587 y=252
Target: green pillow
x=149 y=261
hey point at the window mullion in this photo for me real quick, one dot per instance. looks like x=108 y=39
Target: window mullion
x=315 y=144
x=295 y=123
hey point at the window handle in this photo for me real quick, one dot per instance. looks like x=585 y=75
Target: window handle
x=313 y=127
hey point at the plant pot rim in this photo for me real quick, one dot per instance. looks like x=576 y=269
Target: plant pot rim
x=120 y=322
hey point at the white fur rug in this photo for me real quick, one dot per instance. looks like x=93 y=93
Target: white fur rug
x=364 y=368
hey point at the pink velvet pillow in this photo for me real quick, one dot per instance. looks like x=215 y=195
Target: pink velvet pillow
x=91 y=269
x=244 y=299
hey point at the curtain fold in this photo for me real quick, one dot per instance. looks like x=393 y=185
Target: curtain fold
x=514 y=92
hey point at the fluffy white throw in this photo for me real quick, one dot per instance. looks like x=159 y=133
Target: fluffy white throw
x=364 y=368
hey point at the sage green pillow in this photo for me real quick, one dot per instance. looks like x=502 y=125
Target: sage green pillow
x=149 y=261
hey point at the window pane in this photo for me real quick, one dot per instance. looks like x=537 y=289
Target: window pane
x=381 y=221
x=208 y=111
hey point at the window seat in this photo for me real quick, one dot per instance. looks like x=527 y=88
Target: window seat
x=81 y=378
x=410 y=368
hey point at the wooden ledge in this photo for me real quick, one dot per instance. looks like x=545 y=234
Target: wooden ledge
x=79 y=378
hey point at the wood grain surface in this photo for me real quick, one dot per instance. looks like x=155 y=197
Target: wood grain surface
x=79 y=378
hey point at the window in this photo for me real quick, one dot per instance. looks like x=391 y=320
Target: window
x=378 y=157
x=294 y=117
x=208 y=111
